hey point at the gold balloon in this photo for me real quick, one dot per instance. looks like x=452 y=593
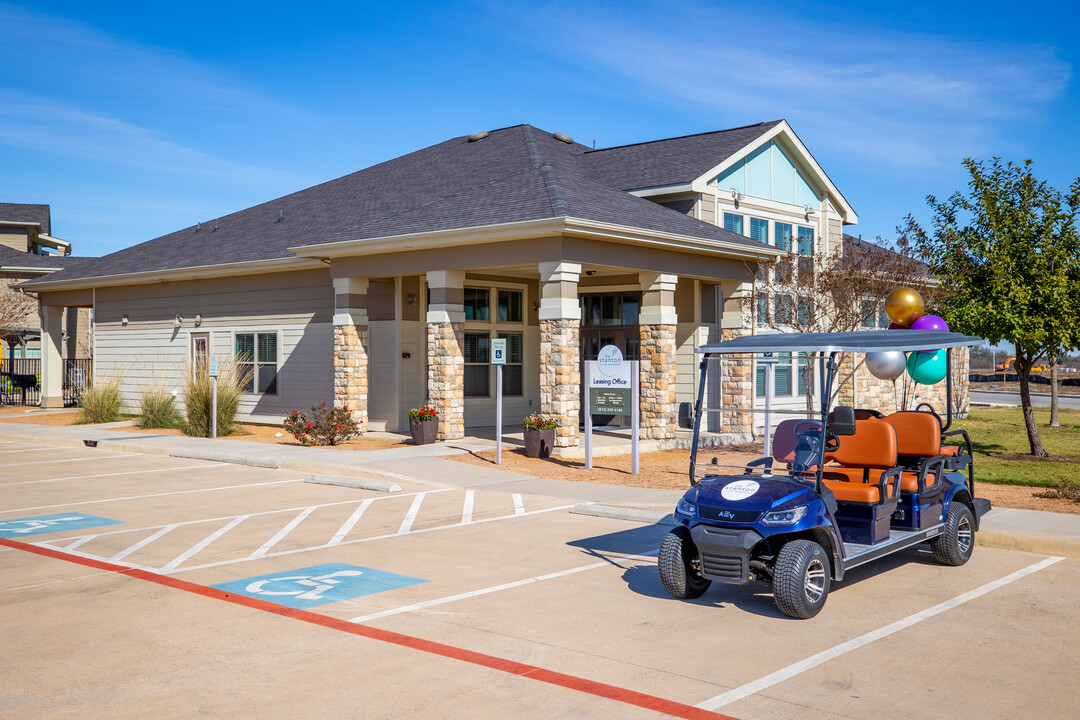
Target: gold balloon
x=904 y=306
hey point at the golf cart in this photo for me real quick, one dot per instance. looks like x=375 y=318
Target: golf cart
x=836 y=491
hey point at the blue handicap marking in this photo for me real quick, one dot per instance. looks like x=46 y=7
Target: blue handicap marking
x=60 y=522
x=318 y=585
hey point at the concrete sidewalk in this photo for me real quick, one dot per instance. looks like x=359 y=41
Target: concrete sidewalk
x=426 y=466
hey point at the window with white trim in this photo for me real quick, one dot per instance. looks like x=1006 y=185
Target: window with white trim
x=257 y=362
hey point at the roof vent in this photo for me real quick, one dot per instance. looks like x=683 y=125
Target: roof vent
x=478 y=136
x=563 y=137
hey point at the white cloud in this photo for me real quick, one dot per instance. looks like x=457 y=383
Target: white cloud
x=886 y=96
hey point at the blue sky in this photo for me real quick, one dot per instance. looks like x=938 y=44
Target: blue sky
x=132 y=124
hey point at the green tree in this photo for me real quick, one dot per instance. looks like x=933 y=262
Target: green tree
x=1008 y=254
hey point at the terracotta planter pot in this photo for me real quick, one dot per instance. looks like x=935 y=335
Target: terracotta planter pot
x=538 y=443
x=424 y=432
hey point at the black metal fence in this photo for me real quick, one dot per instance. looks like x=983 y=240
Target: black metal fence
x=20 y=380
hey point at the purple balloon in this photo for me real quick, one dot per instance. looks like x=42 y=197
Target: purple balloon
x=930 y=322
x=894 y=326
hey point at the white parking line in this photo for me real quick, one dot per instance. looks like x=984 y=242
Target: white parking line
x=283 y=532
x=832 y=653
x=137 y=546
x=467 y=507
x=39 y=448
x=372 y=539
x=519 y=506
x=410 y=517
x=347 y=526
x=78 y=459
x=126 y=472
x=202 y=544
x=505 y=586
x=140 y=497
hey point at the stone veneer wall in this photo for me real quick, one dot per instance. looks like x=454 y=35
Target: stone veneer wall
x=738 y=388
x=446 y=377
x=658 y=400
x=351 y=371
x=887 y=397
x=560 y=377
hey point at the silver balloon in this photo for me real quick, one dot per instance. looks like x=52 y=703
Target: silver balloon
x=886 y=365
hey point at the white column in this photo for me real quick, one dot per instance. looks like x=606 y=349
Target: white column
x=52 y=364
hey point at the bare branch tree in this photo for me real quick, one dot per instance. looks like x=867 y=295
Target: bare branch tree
x=842 y=291
x=17 y=311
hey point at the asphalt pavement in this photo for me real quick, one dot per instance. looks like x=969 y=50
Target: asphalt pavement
x=990 y=397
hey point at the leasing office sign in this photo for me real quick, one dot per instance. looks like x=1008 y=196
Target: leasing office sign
x=609 y=383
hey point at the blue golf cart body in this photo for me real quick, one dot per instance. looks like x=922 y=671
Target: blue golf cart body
x=837 y=491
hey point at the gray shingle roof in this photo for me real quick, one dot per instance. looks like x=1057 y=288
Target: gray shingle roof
x=10 y=258
x=19 y=212
x=514 y=174
x=673 y=161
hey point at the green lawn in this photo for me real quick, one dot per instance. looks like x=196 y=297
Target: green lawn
x=1000 y=431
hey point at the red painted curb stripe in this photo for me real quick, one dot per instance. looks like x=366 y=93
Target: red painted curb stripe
x=571 y=682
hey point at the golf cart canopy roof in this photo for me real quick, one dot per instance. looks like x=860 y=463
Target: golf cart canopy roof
x=866 y=341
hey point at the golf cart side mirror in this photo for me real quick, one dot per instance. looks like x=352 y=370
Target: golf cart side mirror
x=842 y=421
x=686 y=416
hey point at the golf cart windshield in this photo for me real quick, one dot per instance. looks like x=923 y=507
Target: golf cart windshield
x=798 y=444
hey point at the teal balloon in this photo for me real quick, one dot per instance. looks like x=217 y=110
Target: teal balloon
x=927 y=368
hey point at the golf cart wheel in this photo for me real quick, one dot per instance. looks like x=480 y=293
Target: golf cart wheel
x=679 y=565
x=955 y=543
x=801 y=579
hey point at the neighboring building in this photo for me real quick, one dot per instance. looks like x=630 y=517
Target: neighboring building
x=382 y=289
x=28 y=251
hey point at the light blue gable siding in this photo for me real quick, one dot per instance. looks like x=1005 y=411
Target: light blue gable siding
x=759 y=172
x=804 y=194
x=783 y=186
x=733 y=177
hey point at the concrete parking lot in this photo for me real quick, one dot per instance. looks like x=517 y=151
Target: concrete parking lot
x=136 y=586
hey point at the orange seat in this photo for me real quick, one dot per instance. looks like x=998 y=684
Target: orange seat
x=909 y=481
x=864 y=459
x=918 y=434
x=854 y=491
x=950 y=450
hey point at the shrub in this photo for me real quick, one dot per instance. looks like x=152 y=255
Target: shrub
x=101 y=401
x=424 y=412
x=199 y=398
x=157 y=409
x=324 y=427
x=536 y=421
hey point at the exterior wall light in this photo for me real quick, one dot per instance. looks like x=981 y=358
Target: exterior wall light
x=124 y=320
x=178 y=320
x=198 y=320
x=411 y=299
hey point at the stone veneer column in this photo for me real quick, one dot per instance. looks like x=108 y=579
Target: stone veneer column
x=351 y=342
x=657 y=323
x=737 y=389
x=560 y=348
x=446 y=350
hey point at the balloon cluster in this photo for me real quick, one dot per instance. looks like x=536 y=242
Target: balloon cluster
x=926 y=367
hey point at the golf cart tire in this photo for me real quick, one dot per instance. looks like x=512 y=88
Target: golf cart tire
x=957 y=540
x=801 y=579
x=675 y=565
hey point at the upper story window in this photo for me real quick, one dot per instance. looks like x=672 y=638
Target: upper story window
x=783 y=236
x=759 y=230
x=733 y=223
x=768 y=172
x=806 y=241
x=509 y=306
x=868 y=308
x=610 y=309
x=477 y=304
x=762 y=309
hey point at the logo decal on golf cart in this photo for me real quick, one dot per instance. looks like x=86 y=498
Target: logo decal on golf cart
x=739 y=490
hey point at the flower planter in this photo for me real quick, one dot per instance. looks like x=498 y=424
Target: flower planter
x=424 y=432
x=538 y=443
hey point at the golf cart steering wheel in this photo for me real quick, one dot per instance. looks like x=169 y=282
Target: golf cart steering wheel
x=807 y=452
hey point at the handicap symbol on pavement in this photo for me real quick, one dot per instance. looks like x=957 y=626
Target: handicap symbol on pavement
x=318 y=585
x=51 y=523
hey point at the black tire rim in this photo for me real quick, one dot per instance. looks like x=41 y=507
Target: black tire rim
x=963 y=535
x=814 y=580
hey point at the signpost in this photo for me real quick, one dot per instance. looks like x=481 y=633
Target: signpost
x=770 y=364
x=498 y=359
x=214 y=377
x=612 y=389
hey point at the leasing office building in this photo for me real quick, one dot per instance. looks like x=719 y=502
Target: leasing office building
x=382 y=289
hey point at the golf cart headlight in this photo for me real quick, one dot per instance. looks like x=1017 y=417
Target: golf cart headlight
x=784 y=517
x=685 y=507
